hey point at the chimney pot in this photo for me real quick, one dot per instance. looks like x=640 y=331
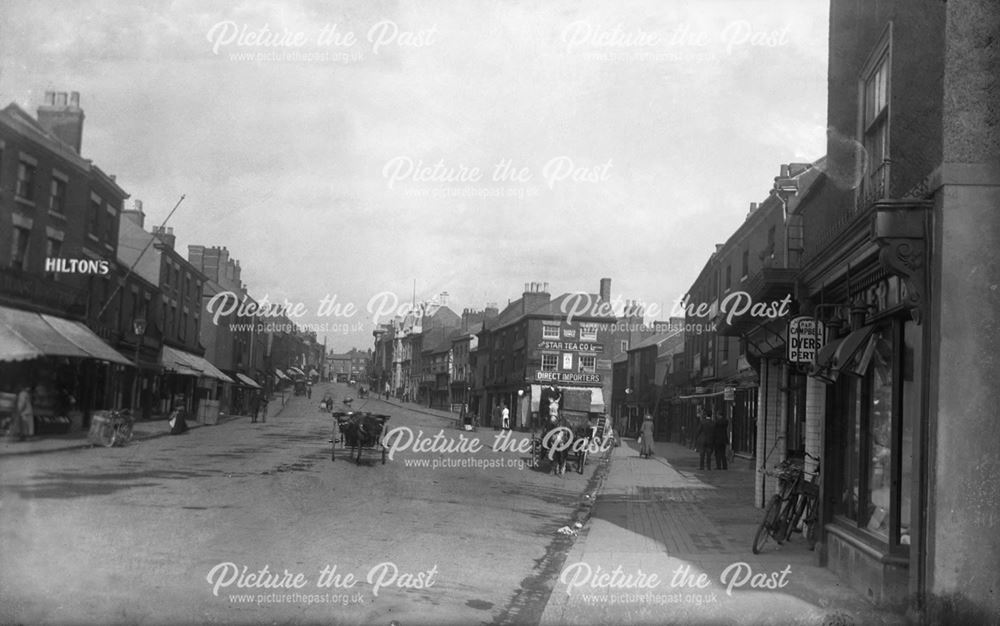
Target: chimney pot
x=50 y=98
x=61 y=98
x=74 y=99
x=605 y=292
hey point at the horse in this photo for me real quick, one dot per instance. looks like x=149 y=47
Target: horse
x=556 y=443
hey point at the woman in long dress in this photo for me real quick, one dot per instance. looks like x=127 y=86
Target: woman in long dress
x=646 y=449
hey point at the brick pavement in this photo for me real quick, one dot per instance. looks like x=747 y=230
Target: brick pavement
x=663 y=516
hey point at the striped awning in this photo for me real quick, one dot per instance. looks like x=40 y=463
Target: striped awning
x=28 y=335
x=246 y=380
x=187 y=364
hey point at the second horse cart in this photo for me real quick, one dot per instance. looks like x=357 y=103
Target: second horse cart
x=358 y=432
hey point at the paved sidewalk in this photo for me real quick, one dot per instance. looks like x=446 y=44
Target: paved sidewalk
x=663 y=516
x=142 y=430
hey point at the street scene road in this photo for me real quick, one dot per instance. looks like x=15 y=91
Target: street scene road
x=133 y=534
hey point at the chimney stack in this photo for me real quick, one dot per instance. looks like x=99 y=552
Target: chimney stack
x=605 y=293
x=63 y=119
x=166 y=235
x=135 y=214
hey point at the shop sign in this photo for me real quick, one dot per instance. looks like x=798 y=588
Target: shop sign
x=569 y=332
x=575 y=346
x=567 y=360
x=567 y=377
x=805 y=338
x=729 y=394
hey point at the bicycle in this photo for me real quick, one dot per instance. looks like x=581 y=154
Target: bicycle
x=111 y=428
x=795 y=504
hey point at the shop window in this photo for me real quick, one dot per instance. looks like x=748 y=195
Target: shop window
x=550 y=362
x=588 y=364
x=550 y=331
x=588 y=332
x=874 y=433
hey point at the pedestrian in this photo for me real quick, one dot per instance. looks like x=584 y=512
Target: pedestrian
x=254 y=407
x=495 y=421
x=646 y=448
x=309 y=391
x=720 y=440
x=263 y=406
x=704 y=438
x=505 y=417
x=25 y=411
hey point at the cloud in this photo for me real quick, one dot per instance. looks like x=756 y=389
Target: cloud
x=283 y=161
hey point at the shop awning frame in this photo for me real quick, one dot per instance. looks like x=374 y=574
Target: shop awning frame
x=187 y=364
x=26 y=335
x=247 y=381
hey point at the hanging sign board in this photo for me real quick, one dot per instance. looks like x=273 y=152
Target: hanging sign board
x=805 y=338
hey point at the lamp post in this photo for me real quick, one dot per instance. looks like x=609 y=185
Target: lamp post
x=139 y=326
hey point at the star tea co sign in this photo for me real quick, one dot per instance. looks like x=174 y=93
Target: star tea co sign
x=805 y=338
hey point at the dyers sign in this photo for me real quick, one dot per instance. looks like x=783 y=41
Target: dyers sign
x=805 y=338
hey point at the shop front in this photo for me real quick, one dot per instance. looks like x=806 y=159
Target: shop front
x=190 y=383
x=67 y=368
x=868 y=382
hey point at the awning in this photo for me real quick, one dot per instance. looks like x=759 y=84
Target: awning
x=696 y=396
x=173 y=360
x=187 y=364
x=281 y=375
x=246 y=380
x=295 y=370
x=86 y=340
x=28 y=335
x=838 y=355
x=849 y=348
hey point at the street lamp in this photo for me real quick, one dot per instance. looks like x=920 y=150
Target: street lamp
x=139 y=327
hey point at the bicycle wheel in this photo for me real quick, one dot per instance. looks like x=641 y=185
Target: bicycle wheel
x=124 y=432
x=796 y=509
x=767 y=524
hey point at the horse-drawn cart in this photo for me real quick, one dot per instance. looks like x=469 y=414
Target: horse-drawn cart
x=358 y=432
x=571 y=435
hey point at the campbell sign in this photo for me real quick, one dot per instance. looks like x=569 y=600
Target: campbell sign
x=805 y=338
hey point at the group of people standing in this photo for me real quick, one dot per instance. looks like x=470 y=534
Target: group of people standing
x=712 y=439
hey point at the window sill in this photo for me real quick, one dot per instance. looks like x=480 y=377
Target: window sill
x=870 y=544
x=57 y=214
x=24 y=201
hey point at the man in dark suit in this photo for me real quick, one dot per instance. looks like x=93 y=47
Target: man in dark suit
x=704 y=439
x=721 y=441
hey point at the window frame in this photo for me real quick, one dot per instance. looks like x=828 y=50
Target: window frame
x=588 y=332
x=25 y=186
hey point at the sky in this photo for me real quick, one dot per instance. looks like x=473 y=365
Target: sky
x=364 y=152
